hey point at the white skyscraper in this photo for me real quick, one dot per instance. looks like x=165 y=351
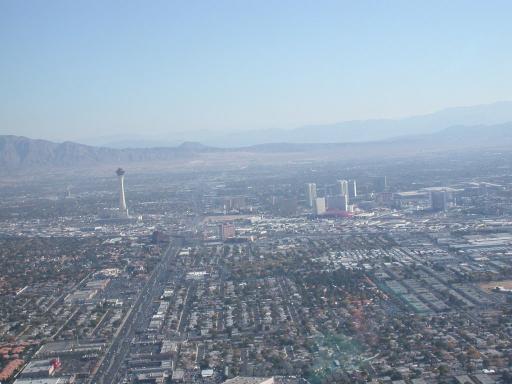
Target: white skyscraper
x=342 y=187
x=319 y=205
x=311 y=193
x=352 y=189
x=123 y=211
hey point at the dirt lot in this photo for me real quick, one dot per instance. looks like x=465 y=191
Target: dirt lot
x=507 y=284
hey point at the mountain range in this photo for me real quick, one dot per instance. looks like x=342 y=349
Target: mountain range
x=380 y=129
x=21 y=153
x=342 y=132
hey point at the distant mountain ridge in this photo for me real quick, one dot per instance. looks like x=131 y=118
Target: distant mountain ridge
x=342 y=132
x=18 y=152
x=383 y=129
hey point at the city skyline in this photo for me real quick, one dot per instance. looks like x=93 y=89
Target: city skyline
x=255 y=192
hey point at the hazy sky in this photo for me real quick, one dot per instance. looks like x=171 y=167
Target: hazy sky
x=75 y=69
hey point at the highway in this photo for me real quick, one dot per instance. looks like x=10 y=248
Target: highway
x=111 y=362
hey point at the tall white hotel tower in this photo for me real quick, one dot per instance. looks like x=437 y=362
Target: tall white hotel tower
x=311 y=194
x=123 y=211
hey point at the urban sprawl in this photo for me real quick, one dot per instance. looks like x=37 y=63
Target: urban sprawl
x=391 y=271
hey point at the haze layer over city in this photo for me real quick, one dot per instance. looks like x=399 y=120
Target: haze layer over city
x=255 y=192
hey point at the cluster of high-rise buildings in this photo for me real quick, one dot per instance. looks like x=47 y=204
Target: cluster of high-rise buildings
x=337 y=203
